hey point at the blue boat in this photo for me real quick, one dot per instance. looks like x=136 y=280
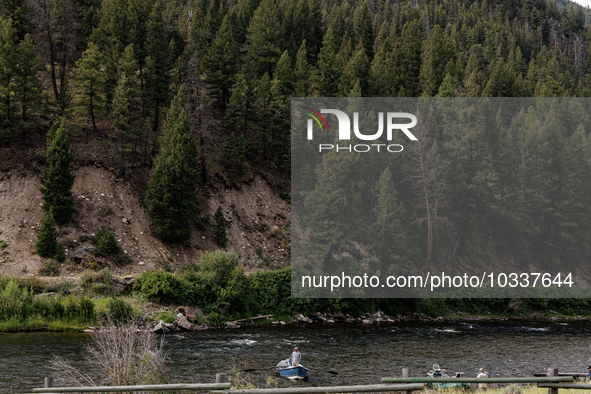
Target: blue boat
x=292 y=372
x=437 y=372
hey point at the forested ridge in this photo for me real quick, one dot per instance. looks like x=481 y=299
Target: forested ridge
x=203 y=88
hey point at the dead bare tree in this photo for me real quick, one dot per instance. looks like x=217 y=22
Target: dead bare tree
x=202 y=115
x=55 y=36
x=427 y=168
x=122 y=355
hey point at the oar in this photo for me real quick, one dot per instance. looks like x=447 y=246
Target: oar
x=324 y=370
x=257 y=369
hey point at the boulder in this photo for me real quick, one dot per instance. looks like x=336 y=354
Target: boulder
x=368 y=321
x=42 y=295
x=304 y=319
x=190 y=313
x=161 y=328
x=170 y=326
x=183 y=323
x=233 y=325
x=118 y=288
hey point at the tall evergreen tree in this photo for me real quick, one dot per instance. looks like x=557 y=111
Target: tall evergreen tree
x=388 y=232
x=331 y=73
x=58 y=179
x=46 y=245
x=262 y=42
x=126 y=108
x=8 y=65
x=171 y=197
x=157 y=63
x=437 y=51
x=220 y=65
x=219 y=230
x=364 y=29
x=27 y=85
x=90 y=78
x=235 y=156
x=302 y=87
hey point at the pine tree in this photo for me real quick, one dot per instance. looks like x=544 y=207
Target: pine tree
x=364 y=30
x=89 y=78
x=8 y=65
x=301 y=73
x=59 y=253
x=236 y=118
x=58 y=179
x=448 y=86
x=330 y=68
x=437 y=51
x=284 y=73
x=27 y=85
x=46 y=245
x=157 y=63
x=262 y=42
x=235 y=156
x=126 y=108
x=171 y=197
x=219 y=230
x=357 y=71
x=220 y=65
x=387 y=232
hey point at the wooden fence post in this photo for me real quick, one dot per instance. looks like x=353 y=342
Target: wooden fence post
x=48 y=383
x=406 y=373
x=552 y=372
x=220 y=378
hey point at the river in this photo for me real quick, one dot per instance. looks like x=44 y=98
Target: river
x=360 y=354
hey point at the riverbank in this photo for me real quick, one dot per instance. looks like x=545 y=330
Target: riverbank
x=220 y=295
x=65 y=315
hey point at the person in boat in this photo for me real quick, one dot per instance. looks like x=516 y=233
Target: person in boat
x=295 y=357
x=482 y=374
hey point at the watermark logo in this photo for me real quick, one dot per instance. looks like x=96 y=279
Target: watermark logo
x=392 y=123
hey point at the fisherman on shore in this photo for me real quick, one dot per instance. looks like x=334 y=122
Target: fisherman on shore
x=589 y=371
x=481 y=375
x=295 y=357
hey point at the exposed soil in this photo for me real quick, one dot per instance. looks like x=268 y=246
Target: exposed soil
x=258 y=220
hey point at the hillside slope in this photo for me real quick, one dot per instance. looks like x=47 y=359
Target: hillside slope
x=257 y=220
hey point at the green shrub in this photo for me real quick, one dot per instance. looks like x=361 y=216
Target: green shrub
x=219 y=228
x=106 y=244
x=119 y=311
x=49 y=268
x=46 y=245
x=124 y=259
x=162 y=287
x=218 y=265
x=60 y=255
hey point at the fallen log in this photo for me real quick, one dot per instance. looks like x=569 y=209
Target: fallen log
x=252 y=318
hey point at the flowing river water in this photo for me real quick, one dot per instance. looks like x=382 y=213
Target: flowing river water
x=360 y=354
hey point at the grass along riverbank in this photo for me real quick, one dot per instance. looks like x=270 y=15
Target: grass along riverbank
x=221 y=290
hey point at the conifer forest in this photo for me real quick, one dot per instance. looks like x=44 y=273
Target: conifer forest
x=195 y=89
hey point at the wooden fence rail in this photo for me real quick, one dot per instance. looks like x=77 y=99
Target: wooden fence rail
x=549 y=379
x=151 y=387
x=565 y=386
x=372 y=388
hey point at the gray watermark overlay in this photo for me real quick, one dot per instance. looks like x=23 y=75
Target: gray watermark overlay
x=441 y=197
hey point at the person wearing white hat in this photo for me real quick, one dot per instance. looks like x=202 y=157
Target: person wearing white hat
x=481 y=375
x=296 y=357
